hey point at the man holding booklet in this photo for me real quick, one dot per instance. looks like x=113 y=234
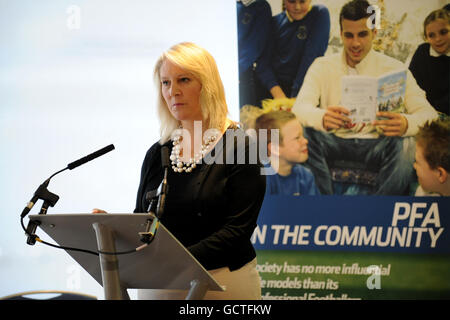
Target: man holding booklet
x=381 y=143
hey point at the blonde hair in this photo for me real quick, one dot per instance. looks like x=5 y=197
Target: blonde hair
x=202 y=65
x=433 y=16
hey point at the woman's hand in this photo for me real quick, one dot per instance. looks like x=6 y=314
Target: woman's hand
x=95 y=210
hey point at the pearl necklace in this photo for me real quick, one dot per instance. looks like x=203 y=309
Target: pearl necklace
x=178 y=165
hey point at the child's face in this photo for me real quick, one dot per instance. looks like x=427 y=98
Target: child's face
x=427 y=177
x=437 y=35
x=297 y=9
x=294 y=147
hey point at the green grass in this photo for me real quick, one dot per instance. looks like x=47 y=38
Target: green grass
x=412 y=276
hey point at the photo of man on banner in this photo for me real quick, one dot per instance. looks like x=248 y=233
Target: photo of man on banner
x=383 y=146
x=364 y=134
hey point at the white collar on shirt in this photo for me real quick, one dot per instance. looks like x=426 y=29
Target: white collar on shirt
x=361 y=65
x=246 y=2
x=434 y=53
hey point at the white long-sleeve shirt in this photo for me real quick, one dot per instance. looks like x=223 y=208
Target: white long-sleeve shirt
x=322 y=88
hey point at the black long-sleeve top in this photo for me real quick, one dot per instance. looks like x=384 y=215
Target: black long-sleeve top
x=433 y=76
x=212 y=210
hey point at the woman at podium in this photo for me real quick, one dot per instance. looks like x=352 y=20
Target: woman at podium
x=216 y=188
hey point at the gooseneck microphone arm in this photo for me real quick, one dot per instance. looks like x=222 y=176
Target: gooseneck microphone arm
x=164 y=186
x=49 y=198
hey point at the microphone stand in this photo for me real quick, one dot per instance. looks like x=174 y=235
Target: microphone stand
x=152 y=224
x=49 y=199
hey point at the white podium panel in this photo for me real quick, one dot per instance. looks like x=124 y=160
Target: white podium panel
x=164 y=264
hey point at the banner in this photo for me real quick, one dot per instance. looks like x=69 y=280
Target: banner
x=360 y=247
x=347 y=245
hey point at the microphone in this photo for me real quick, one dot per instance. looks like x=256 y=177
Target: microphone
x=49 y=198
x=29 y=205
x=90 y=157
x=164 y=186
x=165 y=157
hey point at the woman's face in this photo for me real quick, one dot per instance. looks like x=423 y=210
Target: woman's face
x=297 y=9
x=181 y=92
x=437 y=35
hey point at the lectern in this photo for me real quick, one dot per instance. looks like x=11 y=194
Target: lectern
x=164 y=264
